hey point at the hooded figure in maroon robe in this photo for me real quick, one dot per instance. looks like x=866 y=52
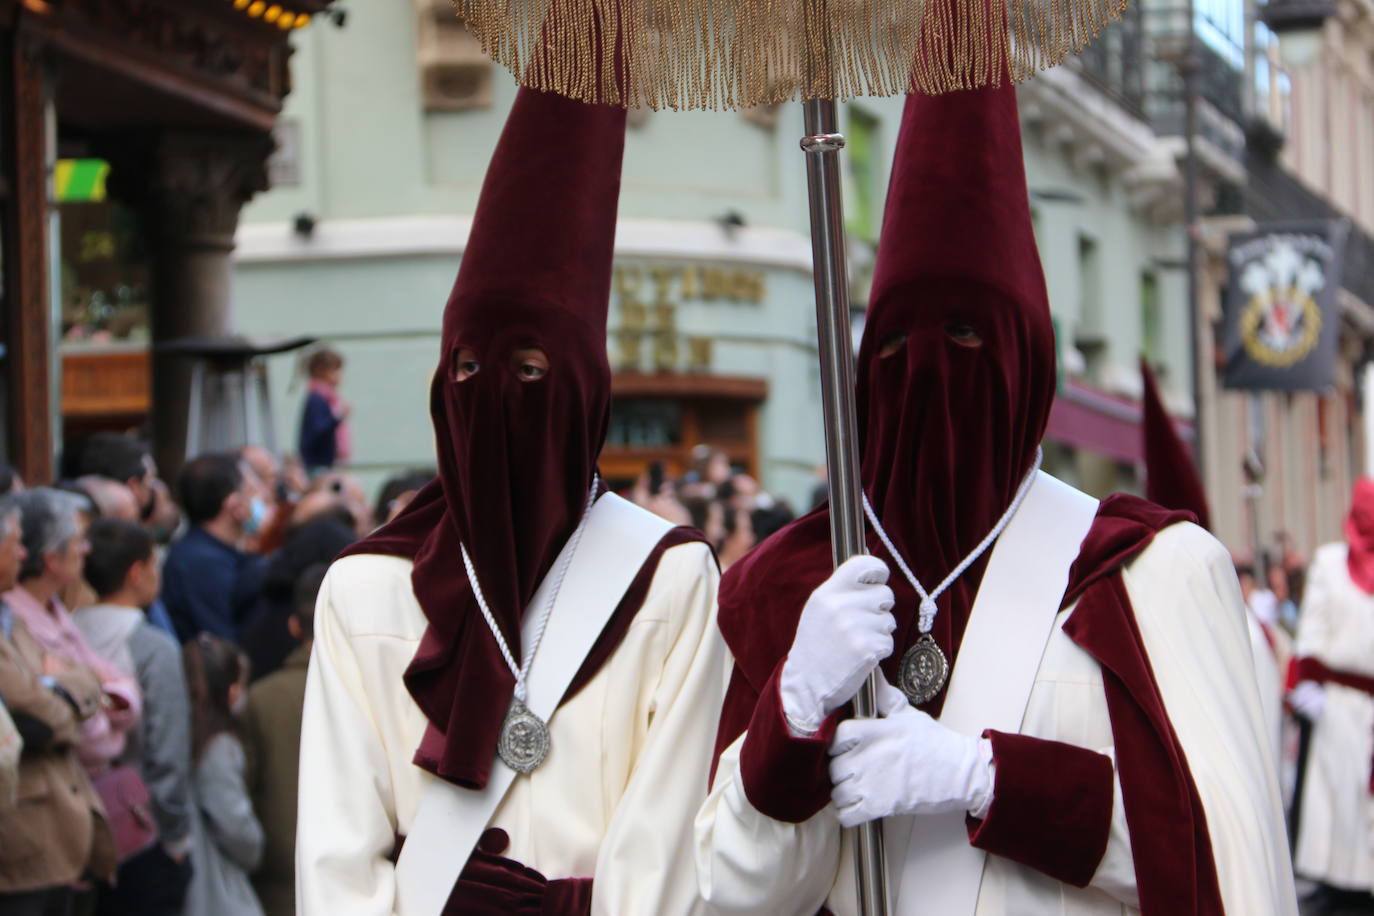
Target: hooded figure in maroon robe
x=520 y=402
x=1171 y=476
x=956 y=373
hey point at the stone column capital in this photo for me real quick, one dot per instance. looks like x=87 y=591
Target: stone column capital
x=198 y=182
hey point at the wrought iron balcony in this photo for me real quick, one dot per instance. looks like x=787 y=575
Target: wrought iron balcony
x=1115 y=62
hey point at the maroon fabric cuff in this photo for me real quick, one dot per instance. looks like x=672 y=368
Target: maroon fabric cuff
x=1051 y=807
x=1311 y=669
x=785 y=777
x=568 y=897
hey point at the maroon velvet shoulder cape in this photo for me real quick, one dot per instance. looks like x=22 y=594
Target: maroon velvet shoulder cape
x=1037 y=819
x=407 y=534
x=491 y=884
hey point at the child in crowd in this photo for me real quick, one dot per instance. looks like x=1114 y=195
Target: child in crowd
x=271 y=728
x=229 y=841
x=324 y=436
x=122 y=570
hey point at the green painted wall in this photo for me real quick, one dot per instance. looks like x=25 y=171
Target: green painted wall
x=367 y=151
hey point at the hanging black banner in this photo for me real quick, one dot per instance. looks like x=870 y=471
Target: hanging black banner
x=1281 y=316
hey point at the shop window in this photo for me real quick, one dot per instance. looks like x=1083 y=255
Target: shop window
x=105 y=284
x=658 y=420
x=725 y=422
x=105 y=274
x=1151 y=331
x=645 y=423
x=1091 y=337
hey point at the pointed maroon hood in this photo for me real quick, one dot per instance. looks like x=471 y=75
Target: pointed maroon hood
x=1171 y=477
x=947 y=431
x=516 y=454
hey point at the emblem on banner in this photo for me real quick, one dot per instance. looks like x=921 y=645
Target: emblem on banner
x=1281 y=317
x=1281 y=322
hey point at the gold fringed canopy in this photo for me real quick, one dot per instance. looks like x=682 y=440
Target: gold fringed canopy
x=742 y=53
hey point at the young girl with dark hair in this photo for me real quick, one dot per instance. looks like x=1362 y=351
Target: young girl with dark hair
x=229 y=840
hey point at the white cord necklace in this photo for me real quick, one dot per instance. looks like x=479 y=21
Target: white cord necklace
x=924 y=670
x=524 y=741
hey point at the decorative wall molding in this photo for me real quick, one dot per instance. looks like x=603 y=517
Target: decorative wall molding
x=421 y=236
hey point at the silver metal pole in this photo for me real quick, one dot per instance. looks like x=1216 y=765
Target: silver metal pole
x=822 y=145
x=1189 y=66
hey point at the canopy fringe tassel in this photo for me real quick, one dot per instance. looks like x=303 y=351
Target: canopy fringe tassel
x=729 y=54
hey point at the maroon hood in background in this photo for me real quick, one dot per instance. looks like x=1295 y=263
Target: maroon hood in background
x=1171 y=477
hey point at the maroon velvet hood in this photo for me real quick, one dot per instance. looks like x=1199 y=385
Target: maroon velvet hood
x=1359 y=535
x=516 y=456
x=1171 y=477
x=947 y=431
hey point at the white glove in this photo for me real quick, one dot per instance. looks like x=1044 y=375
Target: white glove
x=1308 y=699
x=845 y=630
x=906 y=763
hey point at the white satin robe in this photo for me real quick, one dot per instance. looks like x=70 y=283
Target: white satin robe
x=1191 y=617
x=1336 y=627
x=614 y=801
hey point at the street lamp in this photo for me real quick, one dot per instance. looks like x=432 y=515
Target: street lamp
x=1298 y=24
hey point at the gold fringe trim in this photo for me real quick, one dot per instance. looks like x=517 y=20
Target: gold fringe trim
x=727 y=54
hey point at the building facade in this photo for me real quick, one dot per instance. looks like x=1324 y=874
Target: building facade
x=132 y=133
x=386 y=137
x=1286 y=133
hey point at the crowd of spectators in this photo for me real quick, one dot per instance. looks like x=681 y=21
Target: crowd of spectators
x=713 y=496
x=154 y=642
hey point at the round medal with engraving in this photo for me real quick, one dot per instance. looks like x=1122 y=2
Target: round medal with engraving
x=524 y=741
x=923 y=672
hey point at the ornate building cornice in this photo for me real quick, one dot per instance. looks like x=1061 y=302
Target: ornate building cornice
x=213 y=51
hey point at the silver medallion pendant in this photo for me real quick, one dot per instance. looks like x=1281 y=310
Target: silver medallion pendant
x=923 y=672
x=524 y=741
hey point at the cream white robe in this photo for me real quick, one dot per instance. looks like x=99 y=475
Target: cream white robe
x=1191 y=617
x=628 y=766
x=1336 y=627
x=1270 y=683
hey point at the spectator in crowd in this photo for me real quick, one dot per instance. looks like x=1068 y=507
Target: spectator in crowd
x=268 y=467
x=11 y=746
x=229 y=842
x=710 y=468
x=324 y=434
x=338 y=495
x=726 y=505
x=55 y=834
x=208 y=582
x=77 y=594
x=10 y=481
x=271 y=729
x=119 y=457
x=268 y=638
x=112 y=499
x=655 y=492
x=264 y=501
x=123 y=571
x=55 y=544
x=166 y=517
x=1281 y=585
x=398 y=491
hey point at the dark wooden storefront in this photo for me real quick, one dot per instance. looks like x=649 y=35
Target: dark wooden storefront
x=178 y=98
